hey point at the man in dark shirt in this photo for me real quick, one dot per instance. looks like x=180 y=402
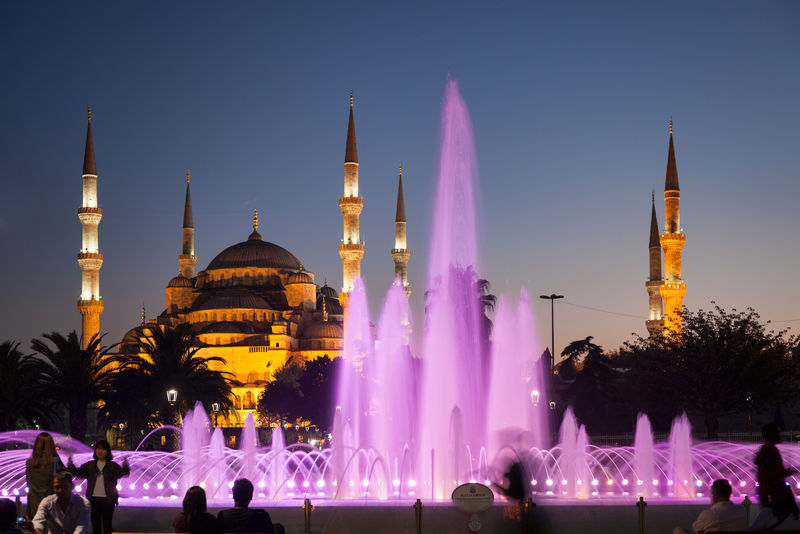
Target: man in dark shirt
x=240 y=518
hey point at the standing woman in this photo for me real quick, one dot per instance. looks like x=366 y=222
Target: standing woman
x=101 y=476
x=40 y=469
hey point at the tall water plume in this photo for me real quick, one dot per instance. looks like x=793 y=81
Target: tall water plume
x=249 y=444
x=353 y=394
x=680 y=444
x=394 y=385
x=455 y=362
x=643 y=457
x=508 y=394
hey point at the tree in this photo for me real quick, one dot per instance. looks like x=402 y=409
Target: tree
x=168 y=359
x=72 y=376
x=280 y=399
x=20 y=392
x=318 y=390
x=305 y=393
x=591 y=386
x=722 y=362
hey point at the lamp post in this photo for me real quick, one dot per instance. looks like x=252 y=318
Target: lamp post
x=172 y=396
x=552 y=298
x=215 y=409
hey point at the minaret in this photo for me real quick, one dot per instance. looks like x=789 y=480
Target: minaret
x=655 y=319
x=673 y=289
x=187 y=259
x=89 y=259
x=400 y=252
x=351 y=250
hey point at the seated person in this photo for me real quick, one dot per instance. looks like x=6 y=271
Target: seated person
x=194 y=518
x=8 y=517
x=62 y=513
x=723 y=514
x=240 y=518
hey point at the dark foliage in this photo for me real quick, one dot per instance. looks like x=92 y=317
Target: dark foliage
x=72 y=376
x=21 y=400
x=722 y=362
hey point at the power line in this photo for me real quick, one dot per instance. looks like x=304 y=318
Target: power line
x=602 y=310
x=642 y=316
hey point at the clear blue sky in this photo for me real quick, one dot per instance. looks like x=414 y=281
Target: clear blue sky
x=570 y=102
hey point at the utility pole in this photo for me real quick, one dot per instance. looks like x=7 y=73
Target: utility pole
x=552 y=298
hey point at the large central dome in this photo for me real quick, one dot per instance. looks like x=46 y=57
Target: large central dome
x=255 y=252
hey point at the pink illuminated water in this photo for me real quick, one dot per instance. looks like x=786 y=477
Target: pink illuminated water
x=407 y=427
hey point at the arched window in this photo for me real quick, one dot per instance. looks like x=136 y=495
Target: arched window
x=237 y=401
x=249 y=402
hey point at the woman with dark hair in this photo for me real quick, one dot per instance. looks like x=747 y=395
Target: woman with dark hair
x=101 y=476
x=777 y=499
x=40 y=469
x=195 y=519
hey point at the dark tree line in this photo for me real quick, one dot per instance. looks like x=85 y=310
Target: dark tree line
x=127 y=388
x=722 y=363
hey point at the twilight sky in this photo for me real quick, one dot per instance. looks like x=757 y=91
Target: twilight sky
x=570 y=102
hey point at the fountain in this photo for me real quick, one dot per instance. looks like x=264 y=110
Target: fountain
x=407 y=428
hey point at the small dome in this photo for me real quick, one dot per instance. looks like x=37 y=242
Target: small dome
x=328 y=291
x=332 y=305
x=325 y=329
x=180 y=281
x=231 y=299
x=300 y=278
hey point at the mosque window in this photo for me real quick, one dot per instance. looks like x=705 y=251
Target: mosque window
x=249 y=402
x=237 y=402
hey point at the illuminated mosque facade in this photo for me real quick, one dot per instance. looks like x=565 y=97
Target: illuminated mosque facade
x=255 y=304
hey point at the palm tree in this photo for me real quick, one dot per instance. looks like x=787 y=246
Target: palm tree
x=167 y=359
x=574 y=354
x=73 y=376
x=20 y=398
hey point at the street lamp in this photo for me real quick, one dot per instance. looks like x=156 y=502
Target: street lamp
x=172 y=396
x=215 y=409
x=535 y=397
x=552 y=298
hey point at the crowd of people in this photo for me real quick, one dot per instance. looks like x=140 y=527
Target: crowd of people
x=54 y=508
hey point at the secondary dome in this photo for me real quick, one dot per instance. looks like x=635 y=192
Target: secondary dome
x=255 y=253
x=324 y=330
x=300 y=278
x=180 y=281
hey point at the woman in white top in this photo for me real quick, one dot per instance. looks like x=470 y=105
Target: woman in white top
x=101 y=476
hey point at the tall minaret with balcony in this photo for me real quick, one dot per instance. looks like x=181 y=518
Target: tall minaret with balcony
x=400 y=252
x=673 y=289
x=187 y=259
x=655 y=319
x=351 y=250
x=89 y=259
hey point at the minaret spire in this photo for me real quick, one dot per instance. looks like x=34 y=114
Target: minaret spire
x=655 y=321
x=90 y=306
x=352 y=249
x=187 y=259
x=673 y=288
x=400 y=252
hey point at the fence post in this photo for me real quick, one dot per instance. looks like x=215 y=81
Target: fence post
x=640 y=505
x=418 y=515
x=747 y=503
x=307 y=514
